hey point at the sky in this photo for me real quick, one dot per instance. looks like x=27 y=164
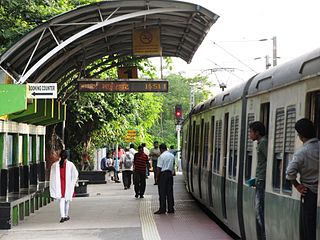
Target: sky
x=242 y=23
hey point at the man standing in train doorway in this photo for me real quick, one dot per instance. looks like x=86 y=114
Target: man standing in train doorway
x=305 y=161
x=257 y=133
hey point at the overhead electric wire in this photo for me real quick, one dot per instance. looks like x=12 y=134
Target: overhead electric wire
x=227 y=71
x=234 y=57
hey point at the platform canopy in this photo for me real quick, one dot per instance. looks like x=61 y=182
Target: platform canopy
x=70 y=44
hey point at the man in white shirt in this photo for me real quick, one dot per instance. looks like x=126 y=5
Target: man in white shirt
x=165 y=168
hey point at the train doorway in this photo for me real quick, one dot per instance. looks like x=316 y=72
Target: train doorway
x=264 y=115
x=224 y=165
x=313 y=110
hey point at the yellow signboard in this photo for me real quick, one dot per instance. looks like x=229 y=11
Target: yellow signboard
x=146 y=42
x=130 y=139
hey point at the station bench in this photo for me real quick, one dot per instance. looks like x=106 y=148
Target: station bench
x=16 y=206
x=93 y=177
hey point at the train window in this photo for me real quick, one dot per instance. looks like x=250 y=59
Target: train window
x=196 y=146
x=217 y=151
x=278 y=147
x=249 y=147
x=233 y=147
x=212 y=141
x=289 y=145
x=201 y=146
x=206 y=144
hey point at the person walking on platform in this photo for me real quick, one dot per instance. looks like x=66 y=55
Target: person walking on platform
x=257 y=133
x=140 y=164
x=63 y=178
x=146 y=151
x=126 y=161
x=305 y=161
x=154 y=154
x=165 y=170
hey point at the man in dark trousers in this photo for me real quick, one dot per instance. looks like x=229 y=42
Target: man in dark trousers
x=165 y=168
x=140 y=164
x=257 y=133
x=305 y=161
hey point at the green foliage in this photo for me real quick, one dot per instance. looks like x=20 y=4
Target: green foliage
x=179 y=93
x=18 y=17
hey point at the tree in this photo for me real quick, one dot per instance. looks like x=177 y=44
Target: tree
x=179 y=93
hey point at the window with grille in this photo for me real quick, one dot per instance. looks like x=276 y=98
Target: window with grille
x=278 y=147
x=235 y=148
x=249 y=147
x=231 y=148
x=288 y=145
x=206 y=144
x=212 y=142
x=216 y=164
x=197 y=145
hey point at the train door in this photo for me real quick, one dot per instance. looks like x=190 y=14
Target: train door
x=224 y=164
x=210 y=162
x=200 y=158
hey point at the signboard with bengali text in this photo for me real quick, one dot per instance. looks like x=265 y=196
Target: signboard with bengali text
x=123 y=86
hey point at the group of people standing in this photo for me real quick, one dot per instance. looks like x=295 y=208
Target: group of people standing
x=305 y=163
x=139 y=164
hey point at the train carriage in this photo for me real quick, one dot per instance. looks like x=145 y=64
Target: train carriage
x=219 y=157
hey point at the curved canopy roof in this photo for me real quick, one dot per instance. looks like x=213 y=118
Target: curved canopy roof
x=70 y=43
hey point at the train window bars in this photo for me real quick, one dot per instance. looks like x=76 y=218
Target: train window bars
x=278 y=148
x=249 y=148
x=283 y=147
x=233 y=147
x=288 y=146
x=206 y=144
x=217 y=152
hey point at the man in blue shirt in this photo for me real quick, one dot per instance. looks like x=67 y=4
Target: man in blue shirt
x=165 y=168
x=305 y=161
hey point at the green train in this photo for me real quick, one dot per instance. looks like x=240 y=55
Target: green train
x=218 y=157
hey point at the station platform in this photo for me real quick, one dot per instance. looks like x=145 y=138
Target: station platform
x=110 y=212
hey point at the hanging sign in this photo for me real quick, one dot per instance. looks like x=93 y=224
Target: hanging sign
x=146 y=42
x=42 y=90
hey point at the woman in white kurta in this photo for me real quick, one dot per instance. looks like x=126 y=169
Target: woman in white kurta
x=63 y=178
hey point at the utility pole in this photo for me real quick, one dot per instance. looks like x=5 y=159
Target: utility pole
x=192 y=101
x=268 y=64
x=274 y=51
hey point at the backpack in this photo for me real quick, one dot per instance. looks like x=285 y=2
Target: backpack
x=103 y=164
x=127 y=161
